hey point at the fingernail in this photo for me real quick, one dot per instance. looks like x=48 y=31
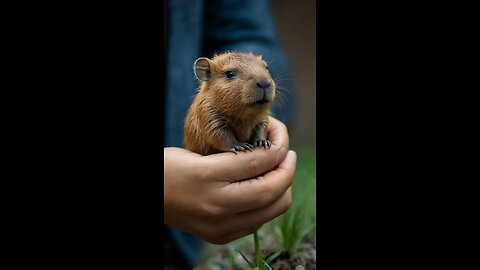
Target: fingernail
x=294 y=154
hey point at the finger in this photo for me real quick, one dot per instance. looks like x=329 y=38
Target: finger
x=261 y=216
x=277 y=133
x=231 y=168
x=231 y=236
x=259 y=192
x=180 y=152
x=187 y=159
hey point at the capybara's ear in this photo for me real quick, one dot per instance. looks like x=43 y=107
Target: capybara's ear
x=201 y=68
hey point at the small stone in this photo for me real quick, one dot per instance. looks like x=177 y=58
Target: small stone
x=281 y=265
x=299 y=267
x=298 y=259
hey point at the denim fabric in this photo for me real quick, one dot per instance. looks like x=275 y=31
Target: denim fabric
x=201 y=28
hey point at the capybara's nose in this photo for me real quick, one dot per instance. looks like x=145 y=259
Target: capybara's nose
x=263 y=84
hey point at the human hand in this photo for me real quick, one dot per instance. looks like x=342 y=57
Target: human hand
x=222 y=197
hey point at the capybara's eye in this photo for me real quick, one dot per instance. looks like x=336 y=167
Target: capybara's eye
x=229 y=74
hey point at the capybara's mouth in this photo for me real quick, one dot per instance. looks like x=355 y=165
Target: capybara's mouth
x=261 y=102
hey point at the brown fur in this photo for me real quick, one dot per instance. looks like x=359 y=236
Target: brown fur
x=223 y=115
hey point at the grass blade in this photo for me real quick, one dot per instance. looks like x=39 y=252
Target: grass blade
x=266 y=264
x=273 y=256
x=302 y=235
x=257 y=249
x=245 y=258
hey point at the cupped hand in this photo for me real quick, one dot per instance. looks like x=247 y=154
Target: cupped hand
x=222 y=197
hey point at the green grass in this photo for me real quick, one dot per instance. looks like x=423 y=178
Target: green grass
x=299 y=221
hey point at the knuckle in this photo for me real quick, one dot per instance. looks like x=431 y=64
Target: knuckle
x=212 y=211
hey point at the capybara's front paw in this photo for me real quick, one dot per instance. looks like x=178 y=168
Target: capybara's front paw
x=264 y=143
x=244 y=147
